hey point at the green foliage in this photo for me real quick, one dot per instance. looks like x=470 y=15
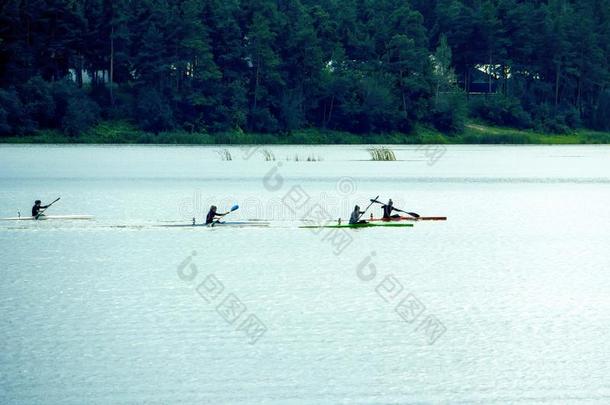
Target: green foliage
x=213 y=68
x=500 y=110
x=153 y=113
x=449 y=114
x=444 y=75
x=114 y=132
x=263 y=120
x=74 y=110
x=37 y=101
x=12 y=118
x=81 y=114
x=549 y=119
x=126 y=132
x=602 y=112
x=489 y=139
x=5 y=127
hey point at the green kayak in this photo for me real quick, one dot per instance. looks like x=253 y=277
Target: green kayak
x=364 y=225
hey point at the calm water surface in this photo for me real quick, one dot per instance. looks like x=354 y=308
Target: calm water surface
x=507 y=301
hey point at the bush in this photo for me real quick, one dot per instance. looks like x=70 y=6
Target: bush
x=291 y=112
x=554 y=125
x=11 y=112
x=494 y=139
x=570 y=117
x=500 y=110
x=17 y=121
x=5 y=127
x=546 y=119
x=153 y=113
x=370 y=106
x=181 y=137
x=598 y=138
x=449 y=114
x=38 y=104
x=308 y=136
x=123 y=108
x=261 y=120
x=63 y=92
x=345 y=138
x=75 y=112
x=82 y=113
x=602 y=112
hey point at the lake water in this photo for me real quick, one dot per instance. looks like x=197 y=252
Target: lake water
x=507 y=301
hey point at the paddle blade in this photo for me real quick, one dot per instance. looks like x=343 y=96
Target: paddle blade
x=235 y=207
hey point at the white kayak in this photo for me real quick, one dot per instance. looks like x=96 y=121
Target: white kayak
x=46 y=217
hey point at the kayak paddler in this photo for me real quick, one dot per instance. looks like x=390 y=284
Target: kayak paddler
x=37 y=207
x=213 y=215
x=355 y=217
x=387 y=210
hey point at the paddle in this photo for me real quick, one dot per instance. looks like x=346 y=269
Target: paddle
x=414 y=215
x=233 y=208
x=44 y=209
x=363 y=212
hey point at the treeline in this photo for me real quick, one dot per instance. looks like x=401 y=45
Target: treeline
x=363 y=66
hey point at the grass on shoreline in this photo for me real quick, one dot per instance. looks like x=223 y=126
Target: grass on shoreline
x=122 y=132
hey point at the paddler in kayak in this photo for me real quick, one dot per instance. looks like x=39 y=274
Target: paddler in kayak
x=355 y=217
x=36 y=209
x=213 y=215
x=387 y=210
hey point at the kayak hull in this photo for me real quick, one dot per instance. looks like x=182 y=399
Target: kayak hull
x=403 y=218
x=48 y=217
x=220 y=225
x=357 y=226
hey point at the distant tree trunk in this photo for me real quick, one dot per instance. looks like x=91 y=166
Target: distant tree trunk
x=111 y=66
x=467 y=84
x=79 y=71
x=557 y=75
x=466 y=79
x=256 y=81
x=330 y=109
x=503 y=83
x=578 y=96
x=490 y=69
x=402 y=92
x=324 y=115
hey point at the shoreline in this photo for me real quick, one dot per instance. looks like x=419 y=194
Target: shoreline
x=475 y=133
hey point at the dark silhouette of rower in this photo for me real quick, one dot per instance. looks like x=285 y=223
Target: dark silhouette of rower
x=387 y=210
x=36 y=209
x=212 y=215
x=355 y=217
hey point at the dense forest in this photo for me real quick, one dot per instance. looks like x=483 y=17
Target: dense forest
x=274 y=66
